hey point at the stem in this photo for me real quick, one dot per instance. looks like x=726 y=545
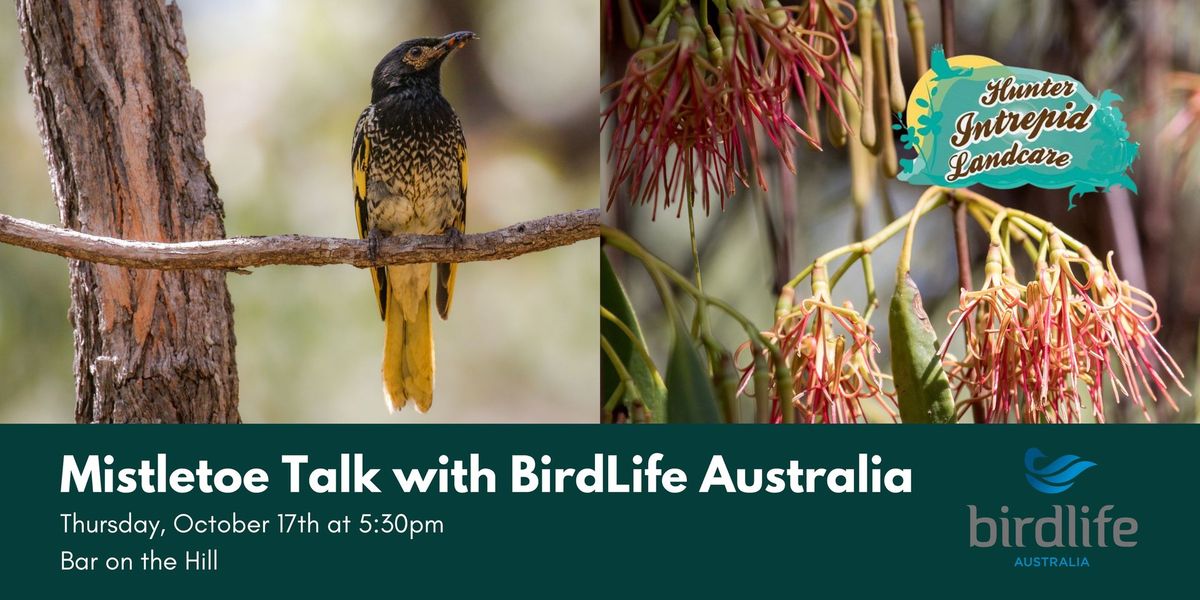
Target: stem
x=641 y=348
x=994 y=228
x=896 y=86
x=657 y=266
x=626 y=379
x=610 y=405
x=667 y=7
x=885 y=196
x=866 y=18
x=762 y=390
x=961 y=247
x=1031 y=227
x=699 y=321
x=845 y=266
x=869 y=276
x=904 y=265
x=963 y=252
x=870 y=244
x=979 y=216
x=659 y=269
x=948 y=27
x=630 y=27
x=1030 y=249
x=862 y=161
x=1031 y=224
x=882 y=97
x=916 y=32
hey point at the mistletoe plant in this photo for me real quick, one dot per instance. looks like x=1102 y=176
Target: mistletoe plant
x=692 y=115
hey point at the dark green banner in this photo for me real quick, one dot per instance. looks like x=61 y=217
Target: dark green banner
x=946 y=510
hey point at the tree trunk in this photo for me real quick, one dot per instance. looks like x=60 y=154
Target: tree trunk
x=123 y=132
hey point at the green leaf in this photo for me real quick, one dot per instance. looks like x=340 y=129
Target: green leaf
x=645 y=376
x=690 y=394
x=922 y=388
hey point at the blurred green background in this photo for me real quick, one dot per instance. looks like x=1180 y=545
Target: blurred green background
x=283 y=83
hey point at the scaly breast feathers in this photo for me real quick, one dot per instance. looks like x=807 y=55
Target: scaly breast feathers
x=413 y=189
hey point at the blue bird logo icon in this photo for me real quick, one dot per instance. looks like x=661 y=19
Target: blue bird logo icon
x=1058 y=475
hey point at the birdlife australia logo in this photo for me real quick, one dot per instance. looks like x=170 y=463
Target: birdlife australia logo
x=1066 y=534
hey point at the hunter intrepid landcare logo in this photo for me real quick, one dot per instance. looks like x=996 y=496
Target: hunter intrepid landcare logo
x=972 y=120
x=1065 y=535
x=1056 y=477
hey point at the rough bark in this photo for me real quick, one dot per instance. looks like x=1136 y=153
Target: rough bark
x=123 y=129
x=236 y=253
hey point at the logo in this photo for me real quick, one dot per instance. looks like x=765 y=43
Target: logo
x=1055 y=535
x=1058 y=475
x=971 y=120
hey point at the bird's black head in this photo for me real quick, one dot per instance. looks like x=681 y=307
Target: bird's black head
x=416 y=63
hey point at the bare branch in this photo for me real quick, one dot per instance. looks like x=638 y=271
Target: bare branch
x=235 y=253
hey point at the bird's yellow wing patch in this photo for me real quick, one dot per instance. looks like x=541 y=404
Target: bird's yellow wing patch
x=360 y=164
x=362 y=158
x=447 y=272
x=462 y=177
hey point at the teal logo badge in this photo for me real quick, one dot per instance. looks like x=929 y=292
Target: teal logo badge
x=1058 y=475
x=972 y=120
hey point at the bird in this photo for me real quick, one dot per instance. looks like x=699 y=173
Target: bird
x=409 y=163
x=940 y=65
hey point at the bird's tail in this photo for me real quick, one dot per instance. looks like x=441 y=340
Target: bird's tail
x=408 y=355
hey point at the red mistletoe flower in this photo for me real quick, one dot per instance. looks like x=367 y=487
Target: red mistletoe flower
x=996 y=340
x=689 y=112
x=668 y=115
x=1029 y=350
x=1126 y=325
x=831 y=353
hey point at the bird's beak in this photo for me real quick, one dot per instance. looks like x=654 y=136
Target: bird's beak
x=456 y=40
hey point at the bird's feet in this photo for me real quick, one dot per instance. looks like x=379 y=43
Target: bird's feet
x=373 y=238
x=454 y=237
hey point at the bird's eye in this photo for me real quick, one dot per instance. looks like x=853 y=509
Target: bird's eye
x=414 y=52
